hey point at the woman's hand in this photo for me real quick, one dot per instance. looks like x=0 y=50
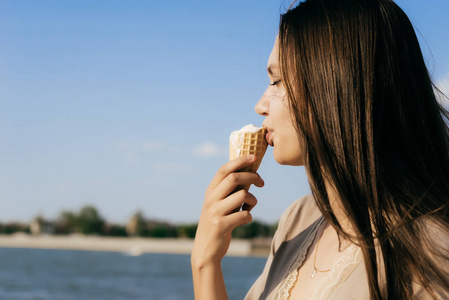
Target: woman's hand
x=221 y=214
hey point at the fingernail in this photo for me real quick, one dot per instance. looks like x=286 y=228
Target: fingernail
x=250 y=157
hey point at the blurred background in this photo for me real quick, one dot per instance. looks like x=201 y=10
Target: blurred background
x=118 y=109
x=128 y=105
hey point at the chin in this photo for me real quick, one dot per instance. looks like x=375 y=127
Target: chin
x=288 y=160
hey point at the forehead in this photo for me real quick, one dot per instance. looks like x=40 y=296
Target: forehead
x=273 y=60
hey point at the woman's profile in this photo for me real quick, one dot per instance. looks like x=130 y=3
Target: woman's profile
x=352 y=101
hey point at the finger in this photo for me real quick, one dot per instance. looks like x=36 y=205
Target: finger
x=233 y=203
x=231 y=183
x=238 y=218
x=230 y=167
x=247 y=206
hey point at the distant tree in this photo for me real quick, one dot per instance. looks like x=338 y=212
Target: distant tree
x=253 y=230
x=66 y=223
x=273 y=228
x=10 y=228
x=160 y=230
x=187 y=230
x=89 y=221
x=114 y=230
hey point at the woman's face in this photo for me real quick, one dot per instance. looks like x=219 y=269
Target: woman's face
x=274 y=107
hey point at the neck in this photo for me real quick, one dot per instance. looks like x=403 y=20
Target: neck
x=338 y=210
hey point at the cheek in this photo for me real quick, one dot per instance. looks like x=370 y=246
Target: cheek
x=287 y=150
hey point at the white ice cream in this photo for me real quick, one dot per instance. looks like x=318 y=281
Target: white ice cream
x=236 y=138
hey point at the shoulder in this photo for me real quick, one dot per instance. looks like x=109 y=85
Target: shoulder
x=434 y=240
x=303 y=209
x=298 y=216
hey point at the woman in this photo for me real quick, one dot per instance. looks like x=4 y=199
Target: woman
x=350 y=99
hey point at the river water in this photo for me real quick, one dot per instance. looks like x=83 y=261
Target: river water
x=63 y=274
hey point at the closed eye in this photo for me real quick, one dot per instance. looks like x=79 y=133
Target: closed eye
x=275 y=83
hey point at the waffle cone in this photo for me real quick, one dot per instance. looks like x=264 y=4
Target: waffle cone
x=249 y=143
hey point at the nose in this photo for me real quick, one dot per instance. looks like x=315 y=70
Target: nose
x=262 y=106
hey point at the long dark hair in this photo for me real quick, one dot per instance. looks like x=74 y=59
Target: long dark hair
x=366 y=109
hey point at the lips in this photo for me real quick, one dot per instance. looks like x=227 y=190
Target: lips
x=268 y=137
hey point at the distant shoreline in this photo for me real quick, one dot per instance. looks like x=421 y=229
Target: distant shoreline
x=130 y=245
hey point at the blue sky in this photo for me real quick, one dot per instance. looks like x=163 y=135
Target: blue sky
x=128 y=105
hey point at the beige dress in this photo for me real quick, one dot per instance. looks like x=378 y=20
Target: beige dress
x=297 y=230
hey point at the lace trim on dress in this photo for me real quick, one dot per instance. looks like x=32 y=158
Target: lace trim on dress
x=284 y=291
x=338 y=274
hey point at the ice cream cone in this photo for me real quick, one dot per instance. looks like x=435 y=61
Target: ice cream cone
x=248 y=140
